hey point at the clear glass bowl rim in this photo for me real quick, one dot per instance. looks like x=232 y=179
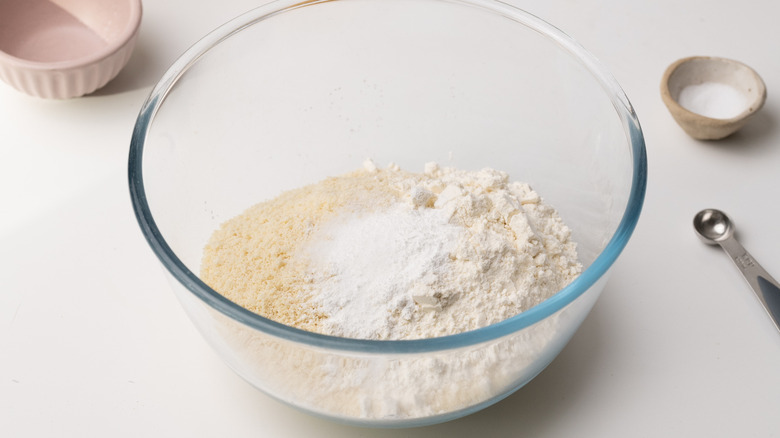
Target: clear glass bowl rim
x=213 y=299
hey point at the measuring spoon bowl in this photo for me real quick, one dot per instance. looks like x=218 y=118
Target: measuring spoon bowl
x=713 y=226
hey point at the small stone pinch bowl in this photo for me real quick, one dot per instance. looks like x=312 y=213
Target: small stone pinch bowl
x=59 y=49
x=711 y=98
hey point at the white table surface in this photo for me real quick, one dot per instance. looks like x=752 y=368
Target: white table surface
x=93 y=342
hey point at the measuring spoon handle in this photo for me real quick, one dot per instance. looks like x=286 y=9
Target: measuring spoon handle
x=766 y=288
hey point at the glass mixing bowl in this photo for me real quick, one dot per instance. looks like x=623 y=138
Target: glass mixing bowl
x=292 y=92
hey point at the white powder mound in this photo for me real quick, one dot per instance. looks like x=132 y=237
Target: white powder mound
x=713 y=99
x=371 y=271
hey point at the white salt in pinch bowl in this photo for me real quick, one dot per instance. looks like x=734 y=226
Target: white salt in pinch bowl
x=711 y=98
x=293 y=92
x=60 y=49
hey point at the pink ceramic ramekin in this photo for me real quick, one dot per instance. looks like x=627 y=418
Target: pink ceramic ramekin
x=58 y=49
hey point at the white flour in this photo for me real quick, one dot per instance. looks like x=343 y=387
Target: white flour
x=460 y=250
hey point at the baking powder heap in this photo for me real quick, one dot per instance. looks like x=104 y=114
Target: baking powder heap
x=389 y=254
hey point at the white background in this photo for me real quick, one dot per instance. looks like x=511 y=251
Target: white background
x=93 y=343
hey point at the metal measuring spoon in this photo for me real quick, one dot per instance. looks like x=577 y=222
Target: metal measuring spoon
x=715 y=228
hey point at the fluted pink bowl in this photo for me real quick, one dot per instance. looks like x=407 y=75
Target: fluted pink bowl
x=59 y=49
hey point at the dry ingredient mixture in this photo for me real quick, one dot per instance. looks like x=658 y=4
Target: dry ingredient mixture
x=389 y=254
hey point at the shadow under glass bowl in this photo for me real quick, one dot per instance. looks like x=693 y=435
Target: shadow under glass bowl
x=293 y=92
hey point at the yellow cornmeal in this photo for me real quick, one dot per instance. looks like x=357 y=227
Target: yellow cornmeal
x=251 y=261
